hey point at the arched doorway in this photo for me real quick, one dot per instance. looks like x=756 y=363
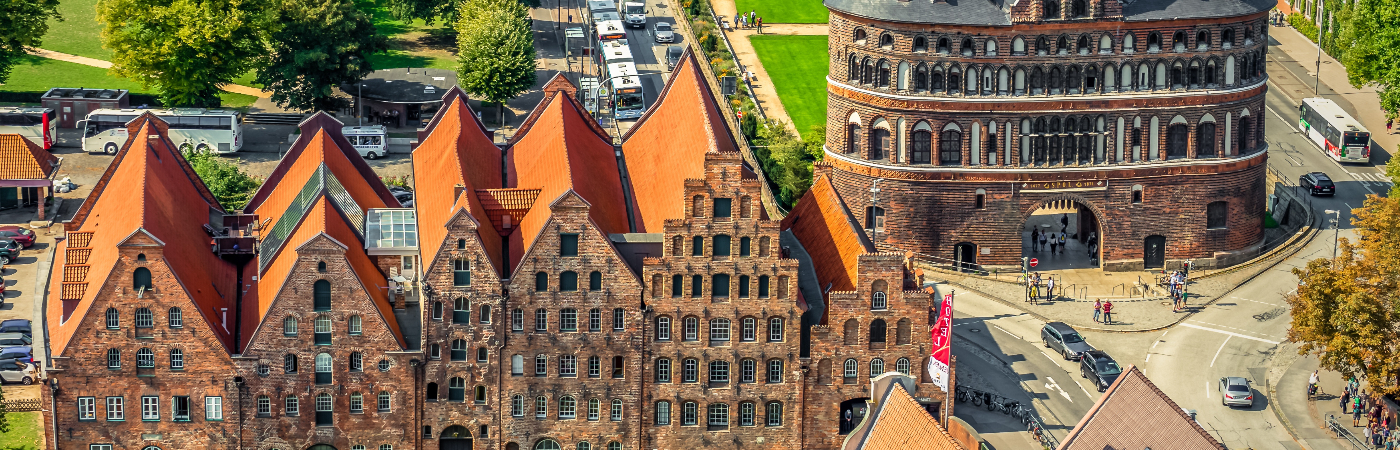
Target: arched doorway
x=455 y=437
x=321 y=447
x=1154 y=252
x=965 y=256
x=852 y=412
x=1081 y=229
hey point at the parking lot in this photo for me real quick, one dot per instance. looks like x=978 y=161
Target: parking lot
x=23 y=288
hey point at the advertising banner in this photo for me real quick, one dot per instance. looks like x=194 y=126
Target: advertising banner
x=942 y=337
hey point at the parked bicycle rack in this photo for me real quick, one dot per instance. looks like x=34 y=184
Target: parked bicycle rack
x=996 y=402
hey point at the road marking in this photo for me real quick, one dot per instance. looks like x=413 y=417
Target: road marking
x=1003 y=330
x=1232 y=328
x=1217 y=356
x=1255 y=301
x=1285 y=121
x=1159 y=340
x=1208 y=386
x=1192 y=325
x=1148 y=358
x=1051 y=385
x=1086 y=391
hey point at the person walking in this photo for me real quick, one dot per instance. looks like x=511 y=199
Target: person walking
x=1062 y=243
x=1108 y=312
x=1389 y=122
x=1098 y=308
x=1050 y=288
x=1054 y=242
x=1042 y=242
x=1356 y=410
x=1035 y=239
x=1345 y=398
x=1064 y=223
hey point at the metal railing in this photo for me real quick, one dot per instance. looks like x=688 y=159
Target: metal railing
x=998 y=403
x=1341 y=432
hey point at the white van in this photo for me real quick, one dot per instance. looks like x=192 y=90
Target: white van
x=370 y=140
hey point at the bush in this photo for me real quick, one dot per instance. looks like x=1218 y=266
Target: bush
x=1304 y=25
x=231 y=186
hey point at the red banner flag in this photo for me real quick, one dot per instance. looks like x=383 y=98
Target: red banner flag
x=942 y=335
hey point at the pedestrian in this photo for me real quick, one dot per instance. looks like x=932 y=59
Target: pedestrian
x=1108 y=312
x=1035 y=243
x=1389 y=122
x=1054 y=241
x=1042 y=242
x=1345 y=398
x=1064 y=223
x=1368 y=435
x=760 y=25
x=1062 y=243
x=1356 y=410
x=1050 y=288
x=1098 y=308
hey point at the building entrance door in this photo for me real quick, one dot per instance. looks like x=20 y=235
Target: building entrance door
x=455 y=437
x=1154 y=252
x=965 y=256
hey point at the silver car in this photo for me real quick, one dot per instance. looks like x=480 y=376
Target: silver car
x=1235 y=391
x=13 y=371
x=663 y=32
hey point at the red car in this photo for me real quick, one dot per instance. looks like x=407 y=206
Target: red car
x=23 y=236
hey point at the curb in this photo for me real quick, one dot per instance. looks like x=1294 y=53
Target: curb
x=1286 y=250
x=1273 y=395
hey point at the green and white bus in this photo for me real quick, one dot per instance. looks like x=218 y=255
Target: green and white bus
x=192 y=129
x=1330 y=127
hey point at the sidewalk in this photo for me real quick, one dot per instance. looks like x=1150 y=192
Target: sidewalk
x=1364 y=101
x=1306 y=419
x=234 y=88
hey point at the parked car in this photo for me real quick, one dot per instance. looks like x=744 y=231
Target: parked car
x=9 y=251
x=1235 y=391
x=1061 y=337
x=14 y=371
x=24 y=354
x=1317 y=183
x=1098 y=367
x=8 y=340
x=673 y=56
x=662 y=32
x=24 y=236
x=21 y=326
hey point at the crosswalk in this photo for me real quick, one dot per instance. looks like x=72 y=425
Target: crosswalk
x=1372 y=179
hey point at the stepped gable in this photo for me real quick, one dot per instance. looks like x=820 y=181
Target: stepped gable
x=1134 y=413
x=561 y=148
x=154 y=194
x=668 y=144
x=335 y=151
x=899 y=422
x=831 y=236
x=456 y=151
x=21 y=159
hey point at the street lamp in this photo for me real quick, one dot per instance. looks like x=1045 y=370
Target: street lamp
x=1317 y=74
x=1336 y=225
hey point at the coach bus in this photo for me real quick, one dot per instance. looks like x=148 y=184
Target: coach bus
x=1331 y=128
x=39 y=125
x=627 y=100
x=192 y=129
x=610 y=30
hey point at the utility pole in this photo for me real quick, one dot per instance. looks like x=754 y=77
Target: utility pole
x=1317 y=74
x=1336 y=229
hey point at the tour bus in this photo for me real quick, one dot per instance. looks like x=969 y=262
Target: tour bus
x=601 y=6
x=636 y=14
x=1332 y=129
x=610 y=30
x=39 y=125
x=192 y=129
x=605 y=16
x=613 y=52
x=627 y=100
x=370 y=140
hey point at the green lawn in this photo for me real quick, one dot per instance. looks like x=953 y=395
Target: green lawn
x=785 y=11
x=25 y=431
x=798 y=67
x=412 y=44
x=78 y=33
x=35 y=74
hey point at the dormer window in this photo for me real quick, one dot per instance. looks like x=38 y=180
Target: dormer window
x=1051 y=9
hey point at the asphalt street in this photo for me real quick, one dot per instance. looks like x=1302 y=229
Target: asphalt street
x=1236 y=336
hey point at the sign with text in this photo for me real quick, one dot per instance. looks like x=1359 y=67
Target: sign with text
x=1064 y=186
x=942 y=337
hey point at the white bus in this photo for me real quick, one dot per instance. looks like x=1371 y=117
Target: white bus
x=636 y=14
x=609 y=30
x=370 y=141
x=627 y=99
x=193 y=129
x=39 y=125
x=1332 y=129
x=613 y=52
x=601 y=6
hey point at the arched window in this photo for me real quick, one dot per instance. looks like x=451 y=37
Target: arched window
x=1227 y=38
x=879 y=143
x=541 y=282
x=867 y=71
x=1154 y=41
x=921 y=78
x=321 y=292
x=1082 y=47
x=461 y=311
x=461 y=244
x=943 y=45
x=144 y=318
x=1062 y=45
x=1105 y=44
x=485 y=316
x=937 y=81
x=1129 y=43
x=1177 y=138
x=990 y=47
x=568 y=281
x=1205 y=140
x=357 y=362
x=849 y=370
x=567 y=407
x=459 y=350
x=176 y=318
x=920 y=44
x=113 y=318
x=141 y=279
x=922 y=147
x=114 y=358
x=883 y=79
x=1051 y=9
x=851 y=332
x=967 y=47
x=877 y=295
x=1203 y=40
x=902 y=366
x=877 y=367
x=877 y=331
x=852 y=138
x=517 y=405
x=289 y=326
x=323 y=409
x=886 y=41
x=457 y=389
x=1055 y=80
x=853 y=68
x=950 y=147
x=177 y=359
x=1243 y=136
x=1179 y=41
x=322 y=329
x=323 y=368
x=595 y=281
x=859 y=37
x=615 y=413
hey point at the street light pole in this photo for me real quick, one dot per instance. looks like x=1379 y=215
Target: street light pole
x=1336 y=227
x=1317 y=74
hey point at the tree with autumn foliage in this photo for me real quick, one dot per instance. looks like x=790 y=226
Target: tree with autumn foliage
x=1347 y=311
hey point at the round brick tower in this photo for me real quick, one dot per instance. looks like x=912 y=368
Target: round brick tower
x=952 y=121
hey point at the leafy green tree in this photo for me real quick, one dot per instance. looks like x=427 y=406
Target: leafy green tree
x=185 y=48
x=1346 y=311
x=231 y=186
x=23 y=25
x=4 y=421
x=786 y=161
x=320 y=44
x=426 y=10
x=1368 y=38
x=496 y=50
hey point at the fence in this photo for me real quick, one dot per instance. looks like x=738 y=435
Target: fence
x=22 y=405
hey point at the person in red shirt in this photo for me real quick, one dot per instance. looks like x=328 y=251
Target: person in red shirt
x=1108 y=311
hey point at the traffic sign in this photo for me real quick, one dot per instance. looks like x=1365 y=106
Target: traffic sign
x=1035 y=262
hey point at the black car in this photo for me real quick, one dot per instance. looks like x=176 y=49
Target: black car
x=9 y=251
x=673 y=56
x=1098 y=367
x=1317 y=183
x=1061 y=337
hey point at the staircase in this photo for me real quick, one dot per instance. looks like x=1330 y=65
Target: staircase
x=273 y=119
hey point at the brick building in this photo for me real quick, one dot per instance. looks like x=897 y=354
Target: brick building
x=556 y=291
x=1146 y=116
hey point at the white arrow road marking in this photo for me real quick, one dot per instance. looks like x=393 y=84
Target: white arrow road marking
x=1051 y=385
x=1198 y=327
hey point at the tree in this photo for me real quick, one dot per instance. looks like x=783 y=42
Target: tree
x=185 y=48
x=428 y=11
x=1346 y=311
x=24 y=25
x=320 y=44
x=496 y=50
x=4 y=421
x=1368 y=39
x=231 y=186
x=786 y=160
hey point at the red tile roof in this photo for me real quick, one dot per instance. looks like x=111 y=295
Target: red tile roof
x=561 y=148
x=668 y=145
x=1134 y=414
x=829 y=234
x=335 y=150
x=24 y=160
x=507 y=202
x=456 y=151
x=900 y=423
x=148 y=190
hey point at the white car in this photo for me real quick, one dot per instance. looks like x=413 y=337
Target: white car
x=13 y=371
x=370 y=140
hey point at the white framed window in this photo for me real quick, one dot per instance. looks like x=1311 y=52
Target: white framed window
x=747 y=369
x=593 y=406
x=616 y=415
x=775 y=371
x=775 y=330
x=617 y=319
x=692 y=329
x=517 y=320
x=355 y=326
x=264 y=406
x=718 y=415
x=87 y=408
x=99 y=446
x=877 y=367
x=384 y=402
x=719 y=330
x=746 y=414
x=748 y=330
x=357 y=403
x=902 y=365
x=595 y=320
x=689 y=370
x=850 y=369
x=177 y=320
x=689 y=411
x=541 y=368
x=177 y=359
x=719 y=372
x=568 y=366
x=114 y=409
x=775 y=414
x=663 y=328
x=663 y=370
x=663 y=413
x=213 y=408
x=150 y=408
x=541 y=407
x=517 y=405
x=293 y=405
x=567 y=407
